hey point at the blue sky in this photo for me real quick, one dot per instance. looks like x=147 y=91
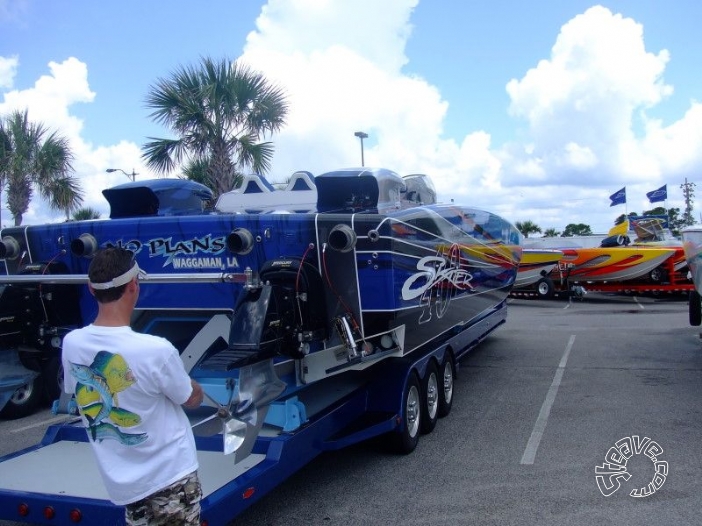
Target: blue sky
x=536 y=110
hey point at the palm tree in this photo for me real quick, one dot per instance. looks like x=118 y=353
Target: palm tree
x=219 y=111
x=28 y=160
x=86 y=213
x=527 y=227
x=551 y=232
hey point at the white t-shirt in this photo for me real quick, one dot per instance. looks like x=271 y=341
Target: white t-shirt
x=129 y=388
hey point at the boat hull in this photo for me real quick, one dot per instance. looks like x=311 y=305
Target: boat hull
x=692 y=246
x=536 y=264
x=425 y=273
x=612 y=263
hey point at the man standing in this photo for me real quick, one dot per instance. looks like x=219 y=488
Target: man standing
x=130 y=388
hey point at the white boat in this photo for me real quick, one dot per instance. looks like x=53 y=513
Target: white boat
x=692 y=246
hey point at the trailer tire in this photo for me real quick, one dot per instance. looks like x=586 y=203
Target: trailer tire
x=24 y=401
x=405 y=439
x=430 y=398
x=545 y=288
x=695 y=308
x=447 y=377
x=657 y=274
x=53 y=379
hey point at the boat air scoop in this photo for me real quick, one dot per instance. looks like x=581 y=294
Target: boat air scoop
x=84 y=246
x=9 y=248
x=342 y=238
x=240 y=241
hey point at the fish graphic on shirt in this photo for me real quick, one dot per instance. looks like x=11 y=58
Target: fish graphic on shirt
x=90 y=378
x=96 y=396
x=110 y=432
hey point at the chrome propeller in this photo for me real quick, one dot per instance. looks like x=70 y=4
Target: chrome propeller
x=241 y=418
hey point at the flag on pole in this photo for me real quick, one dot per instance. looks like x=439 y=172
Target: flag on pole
x=658 y=195
x=618 y=198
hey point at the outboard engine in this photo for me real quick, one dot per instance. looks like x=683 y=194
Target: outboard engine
x=281 y=313
x=33 y=314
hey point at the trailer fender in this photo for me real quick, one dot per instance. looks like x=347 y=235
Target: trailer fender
x=19 y=389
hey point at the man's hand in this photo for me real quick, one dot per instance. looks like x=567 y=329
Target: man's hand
x=196 y=396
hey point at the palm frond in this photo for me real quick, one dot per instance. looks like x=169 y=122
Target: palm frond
x=219 y=111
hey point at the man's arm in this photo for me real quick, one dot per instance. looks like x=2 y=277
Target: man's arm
x=196 y=396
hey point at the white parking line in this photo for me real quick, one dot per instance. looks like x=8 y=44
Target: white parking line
x=636 y=300
x=540 y=425
x=50 y=421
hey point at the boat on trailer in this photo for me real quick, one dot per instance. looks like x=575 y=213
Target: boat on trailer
x=534 y=269
x=378 y=270
x=615 y=259
x=308 y=331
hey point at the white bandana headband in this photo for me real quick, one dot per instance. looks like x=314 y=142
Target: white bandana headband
x=119 y=280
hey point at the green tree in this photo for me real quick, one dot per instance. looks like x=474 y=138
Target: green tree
x=527 y=227
x=86 y=213
x=219 y=112
x=551 y=232
x=620 y=219
x=30 y=159
x=579 y=229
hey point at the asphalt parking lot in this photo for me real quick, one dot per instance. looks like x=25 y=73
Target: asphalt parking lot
x=633 y=367
x=539 y=405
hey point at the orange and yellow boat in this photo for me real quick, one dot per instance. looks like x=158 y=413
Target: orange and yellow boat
x=536 y=264
x=653 y=232
x=612 y=263
x=619 y=259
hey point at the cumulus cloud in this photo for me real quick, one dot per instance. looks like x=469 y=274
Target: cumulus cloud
x=341 y=65
x=51 y=97
x=50 y=101
x=580 y=103
x=8 y=70
x=584 y=107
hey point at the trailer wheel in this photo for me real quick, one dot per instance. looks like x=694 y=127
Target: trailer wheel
x=447 y=378
x=430 y=398
x=657 y=274
x=53 y=379
x=405 y=440
x=24 y=401
x=695 y=308
x=545 y=288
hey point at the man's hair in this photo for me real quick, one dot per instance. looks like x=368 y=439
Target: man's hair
x=107 y=264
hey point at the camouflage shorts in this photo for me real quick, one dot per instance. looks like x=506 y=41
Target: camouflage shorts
x=177 y=504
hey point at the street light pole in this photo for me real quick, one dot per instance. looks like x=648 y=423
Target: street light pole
x=361 y=135
x=132 y=175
